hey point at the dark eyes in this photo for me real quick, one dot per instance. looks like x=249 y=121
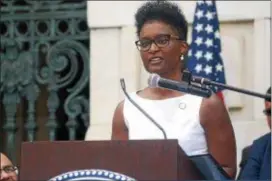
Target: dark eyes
x=160 y=41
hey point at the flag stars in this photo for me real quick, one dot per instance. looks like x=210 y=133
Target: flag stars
x=208 y=69
x=209 y=3
x=217 y=34
x=199 y=40
x=200 y=2
x=199 y=27
x=198 y=68
x=209 y=29
x=205 y=57
x=209 y=15
x=219 y=67
x=208 y=56
x=190 y=53
x=209 y=42
x=198 y=54
x=199 y=14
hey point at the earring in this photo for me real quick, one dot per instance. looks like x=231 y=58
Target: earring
x=181 y=57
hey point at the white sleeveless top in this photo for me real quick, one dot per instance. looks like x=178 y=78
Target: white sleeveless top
x=179 y=117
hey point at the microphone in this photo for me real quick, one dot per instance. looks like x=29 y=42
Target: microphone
x=123 y=85
x=187 y=77
x=156 y=81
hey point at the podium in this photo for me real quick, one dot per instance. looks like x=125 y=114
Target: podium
x=139 y=159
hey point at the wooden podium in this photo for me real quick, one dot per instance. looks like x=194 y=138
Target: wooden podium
x=139 y=159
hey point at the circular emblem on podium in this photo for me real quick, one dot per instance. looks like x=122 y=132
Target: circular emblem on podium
x=91 y=175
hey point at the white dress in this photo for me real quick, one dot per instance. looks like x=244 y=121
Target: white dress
x=179 y=117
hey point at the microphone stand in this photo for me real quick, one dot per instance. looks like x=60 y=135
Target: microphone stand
x=123 y=86
x=187 y=76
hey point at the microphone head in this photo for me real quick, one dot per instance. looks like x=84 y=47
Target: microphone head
x=153 y=80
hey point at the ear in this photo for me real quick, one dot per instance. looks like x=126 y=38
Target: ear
x=184 y=47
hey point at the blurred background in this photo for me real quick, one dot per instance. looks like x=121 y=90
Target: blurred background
x=61 y=62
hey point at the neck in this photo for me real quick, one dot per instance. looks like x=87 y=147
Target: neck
x=176 y=76
x=173 y=76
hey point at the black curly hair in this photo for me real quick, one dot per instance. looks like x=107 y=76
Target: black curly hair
x=164 y=11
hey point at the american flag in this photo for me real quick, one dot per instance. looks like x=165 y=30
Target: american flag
x=204 y=56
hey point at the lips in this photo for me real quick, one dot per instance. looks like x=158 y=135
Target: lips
x=155 y=60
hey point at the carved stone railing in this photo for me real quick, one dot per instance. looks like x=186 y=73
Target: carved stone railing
x=43 y=44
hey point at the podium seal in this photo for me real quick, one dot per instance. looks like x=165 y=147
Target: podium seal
x=91 y=175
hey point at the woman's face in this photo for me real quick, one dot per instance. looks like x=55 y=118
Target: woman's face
x=163 y=56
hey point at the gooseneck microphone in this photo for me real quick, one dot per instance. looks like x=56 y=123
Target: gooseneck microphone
x=123 y=85
x=156 y=81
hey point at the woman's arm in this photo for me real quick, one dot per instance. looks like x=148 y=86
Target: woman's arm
x=119 y=129
x=219 y=133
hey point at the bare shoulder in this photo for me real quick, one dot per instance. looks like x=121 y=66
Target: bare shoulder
x=212 y=101
x=120 y=106
x=213 y=108
x=119 y=128
x=118 y=113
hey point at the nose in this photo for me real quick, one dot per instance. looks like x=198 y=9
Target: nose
x=153 y=47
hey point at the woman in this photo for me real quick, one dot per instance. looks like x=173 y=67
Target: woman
x=200 y=125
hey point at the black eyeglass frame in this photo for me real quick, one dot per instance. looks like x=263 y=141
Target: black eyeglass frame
x=9 y=169
x=155 y=41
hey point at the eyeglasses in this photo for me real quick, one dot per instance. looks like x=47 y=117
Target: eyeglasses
x=267 y=112
x=160 y=41
x=9 y=169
